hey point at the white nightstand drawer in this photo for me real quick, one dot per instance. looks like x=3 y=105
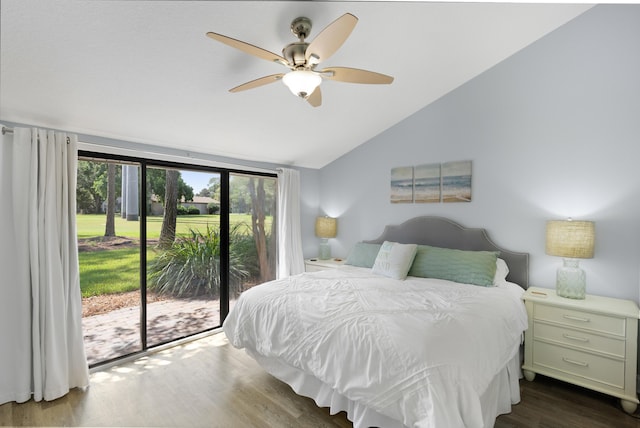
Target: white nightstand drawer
x=580 y=339
x=579 y=319
x=604 y=370
x=590 y=342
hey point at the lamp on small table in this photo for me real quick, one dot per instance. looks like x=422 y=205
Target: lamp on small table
x=571 y=240
x=326 y=227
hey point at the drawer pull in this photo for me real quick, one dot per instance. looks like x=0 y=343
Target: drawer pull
x=579 y=339
x=574 y=362
x=574 y=318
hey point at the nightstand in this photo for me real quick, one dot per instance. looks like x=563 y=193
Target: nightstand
x=590 y=342
x=314 y=265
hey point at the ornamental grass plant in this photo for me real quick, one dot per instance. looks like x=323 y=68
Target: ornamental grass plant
x=191 y=266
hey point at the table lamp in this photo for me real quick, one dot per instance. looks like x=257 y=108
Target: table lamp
x=326 y=227
x=571 y=240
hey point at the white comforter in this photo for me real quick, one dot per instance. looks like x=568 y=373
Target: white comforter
x=421 y=351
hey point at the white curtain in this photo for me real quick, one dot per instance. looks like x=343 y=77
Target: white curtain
x=290 y=258
x=42 y=353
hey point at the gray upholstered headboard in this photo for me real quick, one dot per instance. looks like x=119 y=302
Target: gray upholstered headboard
x=442 y=232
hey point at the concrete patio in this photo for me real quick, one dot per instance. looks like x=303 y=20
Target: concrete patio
x=117 y=333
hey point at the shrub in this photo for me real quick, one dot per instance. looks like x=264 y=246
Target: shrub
x=213 y=208
x=182 y=210
x=191 y=267
x=243 y=247
x=191 y=210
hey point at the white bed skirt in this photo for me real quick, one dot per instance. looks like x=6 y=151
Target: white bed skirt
x=503 y=391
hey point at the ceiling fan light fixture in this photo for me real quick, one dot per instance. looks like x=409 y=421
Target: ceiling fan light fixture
x=301 y=58
x=302 y=83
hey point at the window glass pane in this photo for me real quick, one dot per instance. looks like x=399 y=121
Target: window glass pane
x=251 y=231
x=109 y=260
x=183 y=253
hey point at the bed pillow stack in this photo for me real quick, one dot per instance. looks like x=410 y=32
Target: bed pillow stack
x=396 y=260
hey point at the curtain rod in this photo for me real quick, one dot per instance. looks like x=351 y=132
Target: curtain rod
x=6 y=130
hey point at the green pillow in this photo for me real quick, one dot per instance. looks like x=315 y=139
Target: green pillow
x=363 y=255
x=467 y=267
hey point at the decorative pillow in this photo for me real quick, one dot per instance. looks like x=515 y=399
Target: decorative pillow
x=363 y=255
x=467 y=267
x=394 y=259
x=502 y=270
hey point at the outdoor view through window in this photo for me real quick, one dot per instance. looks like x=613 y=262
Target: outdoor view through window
x=186 y=280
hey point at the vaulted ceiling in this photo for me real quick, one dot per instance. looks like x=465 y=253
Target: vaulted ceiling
x=144 y=71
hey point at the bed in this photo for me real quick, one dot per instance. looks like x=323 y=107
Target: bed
x=421 y=350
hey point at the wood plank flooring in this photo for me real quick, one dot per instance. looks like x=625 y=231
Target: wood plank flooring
x=208 y=383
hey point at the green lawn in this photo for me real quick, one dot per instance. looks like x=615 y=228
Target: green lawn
x=92 y=225
x=109 y=271
x=118 y=270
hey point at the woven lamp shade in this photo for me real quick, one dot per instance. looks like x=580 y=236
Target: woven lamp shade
x=326 y=227
x=570 y=239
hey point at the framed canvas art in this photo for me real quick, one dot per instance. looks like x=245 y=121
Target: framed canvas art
x=456 y=181
x=402 y=184
x=426 y=183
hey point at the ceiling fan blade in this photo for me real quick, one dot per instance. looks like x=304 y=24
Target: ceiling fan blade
x=258 y=82
x=248 y=48
x=331 y=38
x=315 y=99
x=355 y=75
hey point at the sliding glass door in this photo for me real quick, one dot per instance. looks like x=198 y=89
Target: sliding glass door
x=166 y=248
x=183 y=253
x=109 y=258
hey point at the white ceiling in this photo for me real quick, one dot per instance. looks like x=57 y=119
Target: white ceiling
x=143 y=71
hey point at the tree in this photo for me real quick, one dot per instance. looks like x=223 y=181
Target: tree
x=88 y=196
x=91 y=187
x=259 y=206
x=110 y=227
x=239 y=196
x=258 y=225
x=156 y=183
x=204 y=192
x=169 y=187
x=168 y=231
x=214 y=187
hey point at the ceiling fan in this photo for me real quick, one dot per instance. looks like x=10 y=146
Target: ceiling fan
x=302 y=58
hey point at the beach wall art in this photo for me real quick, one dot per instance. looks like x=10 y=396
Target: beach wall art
x=456 y=181
x=433 y=182
x=402 y=184
x=426 y=183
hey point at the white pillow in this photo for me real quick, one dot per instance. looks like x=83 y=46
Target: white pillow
x=502 y=270
x=394 y=260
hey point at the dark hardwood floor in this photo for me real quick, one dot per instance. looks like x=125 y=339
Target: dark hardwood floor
x=208 y=383
x=549 y=403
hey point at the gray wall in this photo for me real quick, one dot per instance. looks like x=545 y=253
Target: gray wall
x=553 y=132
